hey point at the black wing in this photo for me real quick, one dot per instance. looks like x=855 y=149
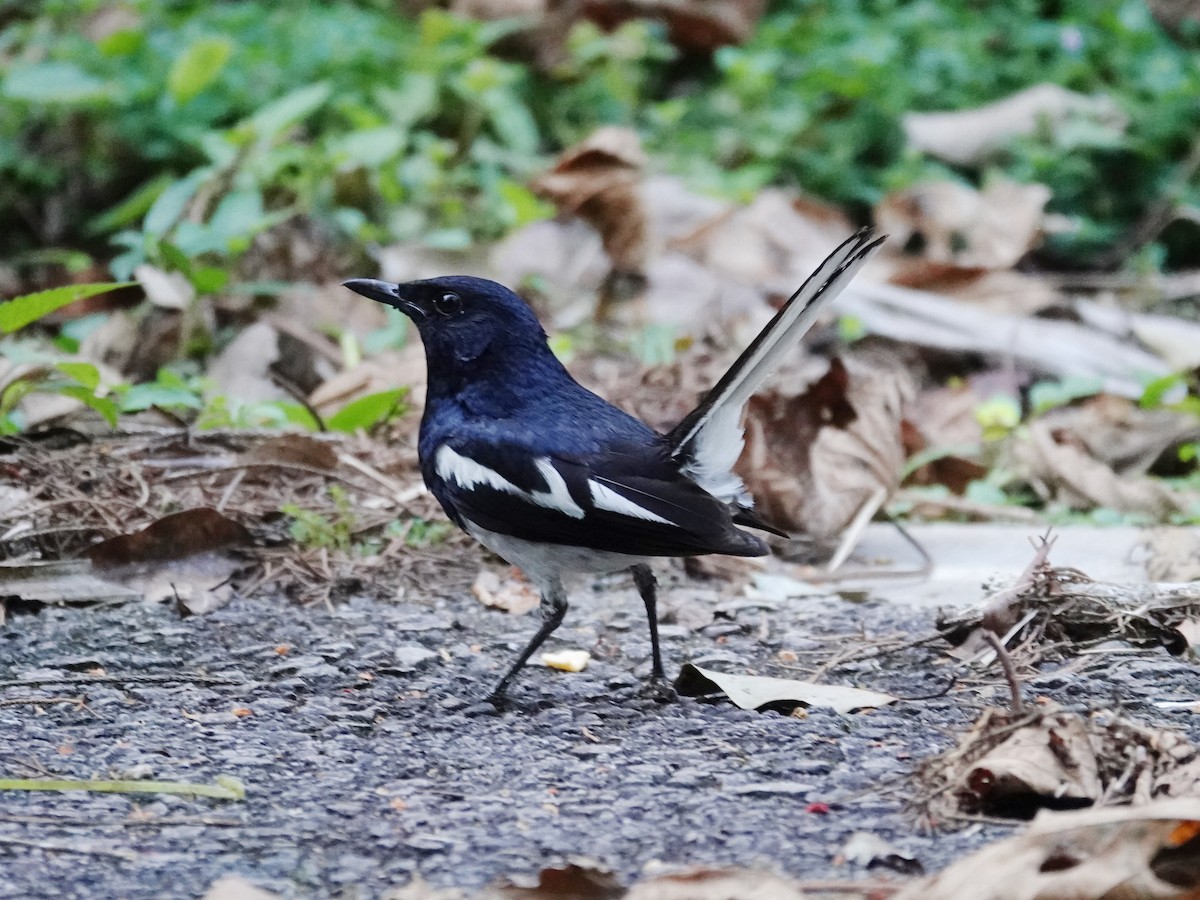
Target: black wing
x=629 y=498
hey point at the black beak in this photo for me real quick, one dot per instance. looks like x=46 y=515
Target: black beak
x=384 y=292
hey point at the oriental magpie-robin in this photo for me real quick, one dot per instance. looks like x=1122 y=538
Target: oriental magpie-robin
x=555 y=479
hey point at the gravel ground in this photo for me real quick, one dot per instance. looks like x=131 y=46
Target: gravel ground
x=367 y=758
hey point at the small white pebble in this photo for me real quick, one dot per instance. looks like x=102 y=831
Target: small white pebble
x=567 y=660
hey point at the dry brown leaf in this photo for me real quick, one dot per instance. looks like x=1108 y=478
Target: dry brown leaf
x=1119 y=433
x=971 y=136
x=512 y=595
x=943 y=420
x=574 y=881
x=1143 y=853
x=811 y=461
x=1050 y=760
x=698 y=25
x=778 y=237
x=176 y=536
x=384 y=371
x=720 y=884
x=598 y=180
x=996 y=290
x=564 y=256
x=950 y=222
x=1060 y=469
x=242 y=369
x=291 y=450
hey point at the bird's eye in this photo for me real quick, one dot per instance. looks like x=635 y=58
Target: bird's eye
x=448 y=304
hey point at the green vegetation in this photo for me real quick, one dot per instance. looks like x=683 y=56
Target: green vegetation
x=176 y=134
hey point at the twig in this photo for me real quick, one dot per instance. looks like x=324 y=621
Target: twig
x=998 y=606
x=126 y=855
x=127 y=679
x=863 y=574
x=39 y=701
x=1010 y=671
x=286 y=385
x=853 y=532
x=971 y=508
x=233 y=485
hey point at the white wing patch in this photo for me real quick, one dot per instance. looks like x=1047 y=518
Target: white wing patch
x=606 y=498
x=467 y=473
x=558 y=497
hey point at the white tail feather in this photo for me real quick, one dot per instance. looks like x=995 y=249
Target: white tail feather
x=710 y=439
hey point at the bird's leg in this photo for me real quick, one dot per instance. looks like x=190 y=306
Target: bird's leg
x=553 y=608
x=647 y=586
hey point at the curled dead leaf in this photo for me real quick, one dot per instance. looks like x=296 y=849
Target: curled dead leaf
x=971 y=136
x=813 y=460
x=950 y=222
x=1060 y=469
x=1051 y=760
x=697 y=25
x=1148 y=852
x=757 y=691
x=598 y=180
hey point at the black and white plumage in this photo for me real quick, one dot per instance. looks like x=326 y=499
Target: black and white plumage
x=555 y=479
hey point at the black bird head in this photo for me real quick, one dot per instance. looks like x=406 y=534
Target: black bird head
x=461 y=318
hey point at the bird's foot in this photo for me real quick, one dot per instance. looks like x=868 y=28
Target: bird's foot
x=659 y=690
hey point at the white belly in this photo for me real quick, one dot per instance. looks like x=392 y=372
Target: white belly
x=546 y=564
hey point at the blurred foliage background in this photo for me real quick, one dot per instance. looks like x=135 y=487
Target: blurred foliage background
x=210 y=159
x=378 y=125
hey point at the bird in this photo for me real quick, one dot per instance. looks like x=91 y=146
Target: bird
x=558 y=481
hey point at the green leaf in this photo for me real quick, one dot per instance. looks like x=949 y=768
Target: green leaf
x=85 y=373
x=21 y=311
x=368 y=411
x=1154 y=394
x=209 y=279
x=290 y=109
x=171 y=203
x=54 y=82
x=106 y=406
x=175 y=258
x=368 y=147
x=523 y=204
x=143 y=396
x=198 y=67
x=511 y=120
x=131 y=208
x=239 y=214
